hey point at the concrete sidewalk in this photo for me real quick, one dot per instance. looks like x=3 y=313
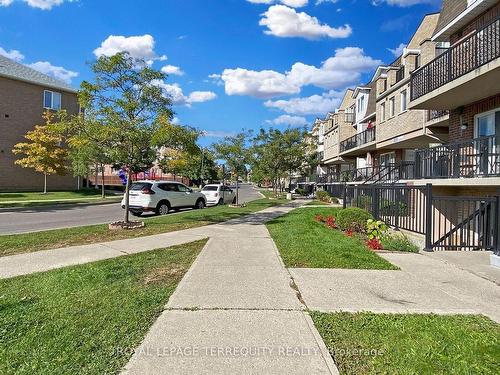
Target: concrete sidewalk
x=234 y=312
x=425 y=284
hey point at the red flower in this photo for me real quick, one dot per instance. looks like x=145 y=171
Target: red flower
x=348 y=233
x=374 y=244
x=319 y=218
x=330 y=222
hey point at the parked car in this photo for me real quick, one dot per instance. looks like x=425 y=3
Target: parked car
x=218 y=194
x=161 y=197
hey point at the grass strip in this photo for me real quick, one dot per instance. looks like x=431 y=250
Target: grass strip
x=305 y=243
x=366 y=343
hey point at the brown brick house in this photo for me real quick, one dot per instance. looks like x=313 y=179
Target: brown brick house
x=24 y=95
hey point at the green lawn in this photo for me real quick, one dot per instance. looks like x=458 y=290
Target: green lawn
x=305 y=243
x=86 y=319
x=51 y=239
x=28 y=199
x=367 y=343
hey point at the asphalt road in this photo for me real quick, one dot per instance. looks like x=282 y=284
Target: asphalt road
x=43 y=218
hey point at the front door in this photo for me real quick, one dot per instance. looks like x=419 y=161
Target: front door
x=487 y=133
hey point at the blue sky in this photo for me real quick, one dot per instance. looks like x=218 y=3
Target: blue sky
x=233 y=64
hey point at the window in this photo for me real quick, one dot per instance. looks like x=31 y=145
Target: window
x=404 y=105
x=361 y=104
x=182 y=188
x=392 y=106
x=52 y=100
x=382 y=112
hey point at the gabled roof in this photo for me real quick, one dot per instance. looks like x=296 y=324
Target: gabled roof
x=20 y=72
x=449 y=11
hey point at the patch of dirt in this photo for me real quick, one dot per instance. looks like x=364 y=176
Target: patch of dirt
x=162 y=274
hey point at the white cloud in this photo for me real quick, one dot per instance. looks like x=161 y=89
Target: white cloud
x=290 y=3
x=217 y=134
x=176 y=94
x=139 y=47
x=260 y=84
x=319 y=2
x=172 y=70
x=13 y=54
x=40 y=4
x=311 y=105
x=57 y=72
x=176 y=121
x=398 y=51
x=404 y=3
x=288 y=120
x=286 y=22
x=341 y=70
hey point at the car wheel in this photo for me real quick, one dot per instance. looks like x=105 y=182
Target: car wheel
x=221 y=202
x=163 y=208
x=200 y=204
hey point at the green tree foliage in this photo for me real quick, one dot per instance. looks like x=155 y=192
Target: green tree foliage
x=127 y=113
x=277 y=154
x=44 y=151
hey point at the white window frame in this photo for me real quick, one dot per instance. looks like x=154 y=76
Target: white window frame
x=392 y=107
x=52 y=100
x=483 y=114
x=404 y=103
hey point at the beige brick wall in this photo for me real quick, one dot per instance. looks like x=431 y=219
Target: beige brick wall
x=21 y=108
x=402 y=122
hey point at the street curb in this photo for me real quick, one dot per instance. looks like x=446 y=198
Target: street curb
x=57 y=205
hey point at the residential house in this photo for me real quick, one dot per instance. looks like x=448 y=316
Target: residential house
x=358 y=148
x=25 y=94
x=318 y=135
x=339 y=126
x=464 y=80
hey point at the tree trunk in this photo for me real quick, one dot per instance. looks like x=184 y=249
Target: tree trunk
x=127 y=195
x=237 y=192
x=96 y=177
x=45 y=183
x=103 y=193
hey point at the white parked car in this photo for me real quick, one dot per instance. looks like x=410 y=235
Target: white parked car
x=218 y=194
x=161 y=197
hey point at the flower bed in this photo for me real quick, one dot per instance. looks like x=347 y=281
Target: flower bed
x=375 y=233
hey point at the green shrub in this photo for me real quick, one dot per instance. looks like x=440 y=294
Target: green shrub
x=375 y=229
x=353 y=219
x=398 y=242
x=301 y=191
x=393 y=208
x=334 y=200
x=363 y=201
x=323 y=196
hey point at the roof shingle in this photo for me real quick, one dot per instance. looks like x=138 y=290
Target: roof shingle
x=17 y=71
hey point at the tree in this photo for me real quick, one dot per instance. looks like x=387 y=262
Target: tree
x=277 y=154
x=44 y=152
x=234 y=151
x=131 y=112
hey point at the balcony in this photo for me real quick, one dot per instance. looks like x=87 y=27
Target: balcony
x=479 y=157
x=358 y=140
x=435 y=114
x=467 y=72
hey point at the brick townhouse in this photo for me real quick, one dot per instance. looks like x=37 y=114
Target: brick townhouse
x=428 y=158
x=24 y=96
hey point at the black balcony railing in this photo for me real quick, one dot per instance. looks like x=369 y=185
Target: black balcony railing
x=357 y=140
x=479 y=157
x=476 y=50
x=434 y=114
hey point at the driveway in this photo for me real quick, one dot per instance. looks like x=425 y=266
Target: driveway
x=44 y=218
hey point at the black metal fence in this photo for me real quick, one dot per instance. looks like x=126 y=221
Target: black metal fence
x=474 y=51
x=448 y=223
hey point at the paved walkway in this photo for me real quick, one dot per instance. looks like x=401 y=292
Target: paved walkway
x=425 y=284
x=234 y=312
